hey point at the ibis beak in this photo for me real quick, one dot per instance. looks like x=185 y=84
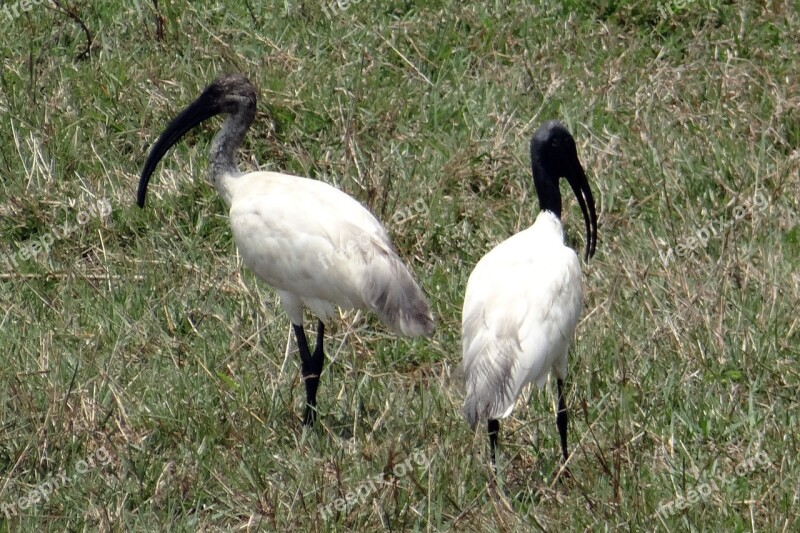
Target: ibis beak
x=202 y=109
x=580 y=186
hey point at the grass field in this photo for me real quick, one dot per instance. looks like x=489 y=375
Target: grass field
x=145 y=382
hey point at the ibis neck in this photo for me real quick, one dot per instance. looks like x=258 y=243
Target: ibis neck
x=222 y=167
x=548 y=192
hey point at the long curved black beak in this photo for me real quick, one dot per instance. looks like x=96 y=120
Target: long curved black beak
x=202 y=109
x=580 y=186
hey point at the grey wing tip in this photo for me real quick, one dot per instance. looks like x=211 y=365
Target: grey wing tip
x=489 y=388
x=470 y=413
x=400 y=302
x=421 y=321
x=418 y=328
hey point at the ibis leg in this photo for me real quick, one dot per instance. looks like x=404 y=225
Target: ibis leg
x=561 y=419
x=494 y=431
x=311 y=366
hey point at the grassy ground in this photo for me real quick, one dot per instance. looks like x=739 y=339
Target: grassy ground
x=145 y=382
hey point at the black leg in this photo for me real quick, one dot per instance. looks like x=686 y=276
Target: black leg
x=311 y=366
x=318 y=353
x=494 y=431
x=561 y=419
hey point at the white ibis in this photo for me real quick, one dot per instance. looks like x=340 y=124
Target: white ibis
x=316 y=245
x=524 y=297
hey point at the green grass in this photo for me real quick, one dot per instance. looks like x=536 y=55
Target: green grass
x=140 y=342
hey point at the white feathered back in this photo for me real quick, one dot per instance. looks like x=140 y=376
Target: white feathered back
x=332 y=252
x=509 y=329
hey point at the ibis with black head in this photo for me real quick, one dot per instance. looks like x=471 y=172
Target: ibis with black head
x=317 y=246
x=524 y=297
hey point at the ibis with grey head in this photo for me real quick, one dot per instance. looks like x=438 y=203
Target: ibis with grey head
x=317 y=246
x=524 y=297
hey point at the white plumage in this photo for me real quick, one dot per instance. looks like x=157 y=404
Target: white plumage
x=317 y=246
x=320 y=248
x=522 y=304
x=524 y=297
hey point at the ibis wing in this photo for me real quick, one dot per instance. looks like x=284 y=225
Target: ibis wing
x=319 y=246
x=520 y=311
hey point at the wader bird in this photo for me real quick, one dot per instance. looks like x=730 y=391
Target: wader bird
x=524 y=297
x=314 y=244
